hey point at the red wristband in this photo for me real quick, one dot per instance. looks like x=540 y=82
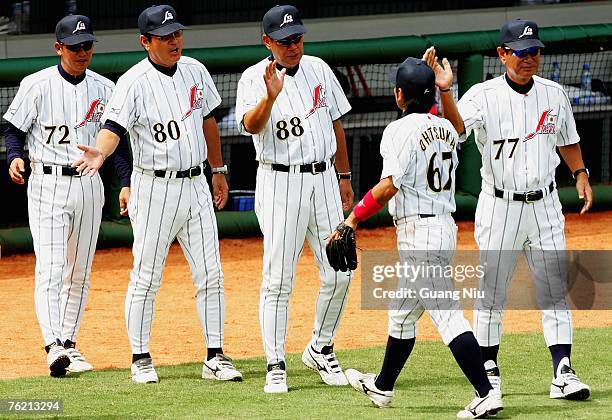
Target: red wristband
x=367 y=207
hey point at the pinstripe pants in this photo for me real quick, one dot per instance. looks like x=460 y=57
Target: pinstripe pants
x=64 y=214
x=427 y=242
x=290 y=208
x=161 y=210
x=503 y=229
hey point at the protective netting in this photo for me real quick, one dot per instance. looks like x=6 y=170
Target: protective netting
x=371 y=96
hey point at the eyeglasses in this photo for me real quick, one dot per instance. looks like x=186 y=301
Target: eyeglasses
x=531 y=51
x=169 y=37
x=85 y=46
x=286 y=42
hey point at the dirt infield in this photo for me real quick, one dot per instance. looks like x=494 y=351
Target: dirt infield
x=177 y=337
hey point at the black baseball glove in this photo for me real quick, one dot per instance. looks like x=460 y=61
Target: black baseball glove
x=342 y=252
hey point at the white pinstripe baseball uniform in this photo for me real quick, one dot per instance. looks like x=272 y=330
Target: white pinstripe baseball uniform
x=291 y=205
x=419 y=152
x=163 y=115
x=517 y=135
x=64 y=211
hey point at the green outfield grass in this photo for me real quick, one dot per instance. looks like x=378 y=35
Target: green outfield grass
x=431 y=386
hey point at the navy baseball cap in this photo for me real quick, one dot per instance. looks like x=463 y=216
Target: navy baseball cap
x=159 y=21
x=519 y=34
x=282 y=21
x=74 y=29
x=415 y=77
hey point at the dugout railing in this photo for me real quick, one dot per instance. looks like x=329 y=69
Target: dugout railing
x=362 y=67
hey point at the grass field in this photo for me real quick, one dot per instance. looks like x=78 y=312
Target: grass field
x=431 y=386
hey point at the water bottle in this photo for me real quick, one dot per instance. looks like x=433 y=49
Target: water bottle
x=555 y=76
x=25 y=20
x=585 y=83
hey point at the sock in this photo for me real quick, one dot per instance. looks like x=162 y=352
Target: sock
x=69 y=344
x=396 y=354
x=277 y=365
x=139 y=356
x=558 y=352
x=489 y=353
x=213 y=351
x=57 y=342
x=466 y=351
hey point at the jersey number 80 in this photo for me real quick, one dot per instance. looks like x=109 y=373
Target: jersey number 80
x=159 y=131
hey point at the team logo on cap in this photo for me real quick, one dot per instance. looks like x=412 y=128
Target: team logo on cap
x=528 y=31
x=286 y=19
x=80 y=26
x=196 y=98
x=167 y=16
x=96 y=109
x=546 y=125
x=319 y=100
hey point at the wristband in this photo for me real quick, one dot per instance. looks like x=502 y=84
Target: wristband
x=579 y=171
x=444 y=90
x=345 y=175
x=367 y=207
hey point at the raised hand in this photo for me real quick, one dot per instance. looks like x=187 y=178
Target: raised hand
x=444 y=72
x=274 y=81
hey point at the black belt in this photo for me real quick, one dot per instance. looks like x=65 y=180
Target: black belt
x=187 y=173
x=425 y=216
x=527 y=197
x=314 y=168
x=66 y=170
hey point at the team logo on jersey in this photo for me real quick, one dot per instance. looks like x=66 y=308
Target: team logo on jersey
x=196 y=98
x=546 y=125
x=286 y=19
x=80 y=26
x=319 y=100
x=96 y=109
x=168 y=16
x=527 y=31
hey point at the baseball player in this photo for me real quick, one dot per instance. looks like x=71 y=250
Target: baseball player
x=519 y=121
x=291 y=104
x=419 y=154
x=165 y=103
x=54 y=110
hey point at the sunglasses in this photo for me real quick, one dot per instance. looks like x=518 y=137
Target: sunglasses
x=170 y=37
x=531 y=51
x=85 y=46
x=286 y=42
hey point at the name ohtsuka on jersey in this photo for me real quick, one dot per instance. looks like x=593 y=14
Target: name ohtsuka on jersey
x=420 y=154
x=164 y=114
x=517 y=133
x=299 y=131
x=57 y=115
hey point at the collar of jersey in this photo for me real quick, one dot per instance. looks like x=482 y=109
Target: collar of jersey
x=70 y=78
x=168 y=71
x=290 y=71
x=522 y=89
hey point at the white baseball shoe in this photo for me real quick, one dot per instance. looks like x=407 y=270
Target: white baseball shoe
x=482 y=407
x=58 y=360
x=326 y=364
x=364 y=383
x=567 y=385
x=493 y=375
x=220 y=368
x=276 y=380
x=143 y=371
x=78 y=363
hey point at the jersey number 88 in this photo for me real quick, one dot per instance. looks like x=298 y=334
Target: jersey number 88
x=283 y=130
